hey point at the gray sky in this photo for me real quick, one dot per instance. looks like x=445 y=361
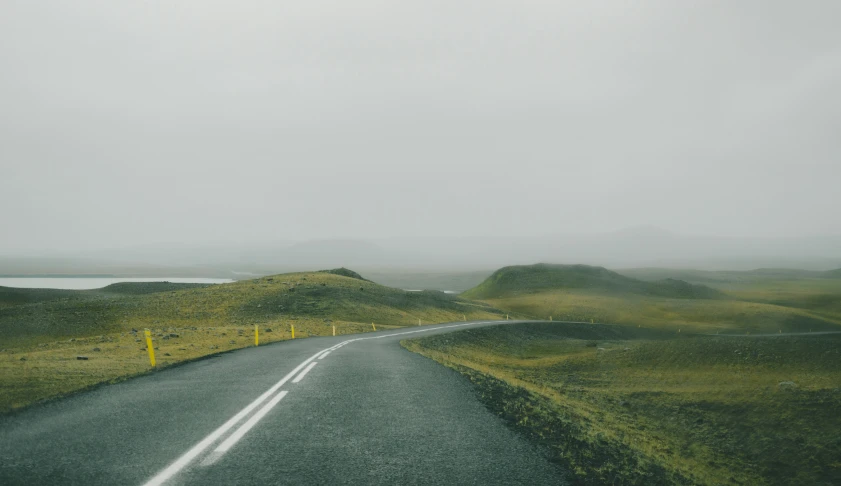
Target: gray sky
x=126 y=123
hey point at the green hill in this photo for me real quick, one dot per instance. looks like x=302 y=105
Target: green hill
x=13 y=296
x=344 y=272
x=42 y=332
x=44 y=315
x=522 y=279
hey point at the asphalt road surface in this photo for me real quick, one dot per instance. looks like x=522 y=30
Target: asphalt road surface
x=366 y=412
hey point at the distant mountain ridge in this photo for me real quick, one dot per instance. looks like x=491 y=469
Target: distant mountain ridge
x=636 y=247
x=544 y=276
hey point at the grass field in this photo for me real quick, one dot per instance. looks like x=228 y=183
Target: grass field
x=43 y=331
x=684 y=377
x=624 y=405
x=740 y=302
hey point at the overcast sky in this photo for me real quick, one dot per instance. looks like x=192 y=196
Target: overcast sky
x=126 y=123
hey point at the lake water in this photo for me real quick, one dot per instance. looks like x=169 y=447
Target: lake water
x=76 y=283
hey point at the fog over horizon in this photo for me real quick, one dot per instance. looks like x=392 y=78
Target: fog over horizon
x=708 y=131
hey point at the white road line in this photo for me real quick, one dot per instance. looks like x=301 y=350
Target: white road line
x=236 y=436
x=302 y=374
x=197 y=449
x=183 y=461
x=324 y=355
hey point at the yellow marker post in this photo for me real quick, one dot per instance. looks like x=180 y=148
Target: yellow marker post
x=334 y=330
x=256 y=336
x=293 y=331
x=550 y=318
x=591 y=321
x=150 y=348
x=465 y=317
x=372 y=325
x=419 y=322
x=506 y=317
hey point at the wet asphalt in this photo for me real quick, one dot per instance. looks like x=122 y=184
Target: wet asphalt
x=369 y=412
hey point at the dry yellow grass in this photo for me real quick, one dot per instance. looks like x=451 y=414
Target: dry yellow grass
x=692 y=315
x=709 y=410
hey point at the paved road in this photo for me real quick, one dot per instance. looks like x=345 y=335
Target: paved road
x=368 y=412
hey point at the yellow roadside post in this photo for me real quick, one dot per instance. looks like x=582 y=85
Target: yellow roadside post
x=465 y=317
x=293 y=331
x=506 y=317
x=334 y=330
x=591 y=320
x=256 y=335
x=372 y=325
x=150 y=348
x=550 y=318
x=419 y=322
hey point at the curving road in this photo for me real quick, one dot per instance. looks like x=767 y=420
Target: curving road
x=366 y=412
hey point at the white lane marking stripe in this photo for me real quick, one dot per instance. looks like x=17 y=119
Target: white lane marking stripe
x=324 y=355
x=197 y=449
x=244 y=428
x=302 y=374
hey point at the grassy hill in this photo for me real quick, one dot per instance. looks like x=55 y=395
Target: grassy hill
x=47 y=315
x=622 y=405
x=523 y=279
x=43 y=331
x=743 y=302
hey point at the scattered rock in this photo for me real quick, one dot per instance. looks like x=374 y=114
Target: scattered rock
x=174 y=334
x=167 y=354
x=623 y=403
x=232 y=342
x=137 y=340
x=214 y=347
x=96 y=349
x=787 y=385
x=601 y=349
x=259 y=305
x=23 y=358
x=268 y=329
x=82 y=358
